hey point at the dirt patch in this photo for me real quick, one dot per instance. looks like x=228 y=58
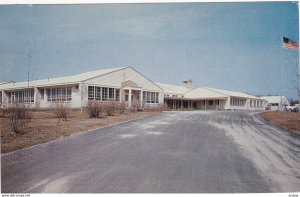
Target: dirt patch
x=289 y=121
x=44 y=127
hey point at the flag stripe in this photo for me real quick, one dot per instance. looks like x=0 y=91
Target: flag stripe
x=290 y=44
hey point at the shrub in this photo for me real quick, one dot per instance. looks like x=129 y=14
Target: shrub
x=135 y=106
x=121 y=107
x=61 y=110
x=95 y=108
x=110 y=107
x=19 y=116
x=4 y=112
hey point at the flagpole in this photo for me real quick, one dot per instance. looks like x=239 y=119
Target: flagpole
x=279 y=106
x=298 y=77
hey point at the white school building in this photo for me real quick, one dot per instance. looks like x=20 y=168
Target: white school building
x=124 y=85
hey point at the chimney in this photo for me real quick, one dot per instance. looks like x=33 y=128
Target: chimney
x=188 y=84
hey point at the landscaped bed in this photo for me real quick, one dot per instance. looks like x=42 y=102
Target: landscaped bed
x=289 y=121
x=44 y=127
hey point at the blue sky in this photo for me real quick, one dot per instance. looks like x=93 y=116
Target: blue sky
x=233 y=46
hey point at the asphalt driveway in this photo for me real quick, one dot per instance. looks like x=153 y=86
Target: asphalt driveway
x=197 y=151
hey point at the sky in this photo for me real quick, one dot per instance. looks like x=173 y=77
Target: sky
x=231 y=46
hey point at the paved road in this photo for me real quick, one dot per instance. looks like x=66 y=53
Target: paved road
x=212 y=151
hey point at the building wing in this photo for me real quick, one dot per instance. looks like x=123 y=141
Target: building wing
x=58 y=80
x=232 y=93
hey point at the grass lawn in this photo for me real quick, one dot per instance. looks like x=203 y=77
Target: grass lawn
x=44 y=127
x=289 y=121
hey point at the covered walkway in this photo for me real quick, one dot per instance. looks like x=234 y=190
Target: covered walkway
x=194 y=104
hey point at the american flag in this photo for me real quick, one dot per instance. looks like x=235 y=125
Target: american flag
x=290 y=44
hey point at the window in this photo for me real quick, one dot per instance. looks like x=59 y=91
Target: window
x=69 y=93
x=210 y=102
x=91 y=92
x=48 y=93
x=98 y=93
x=150 y=97
x=126 y=97
x=152 y=100
x=22 y=96
x=59 y=94
x=117 y=98
x=156 y=97
x=111 y=93
x=237 y=102
x=103 y=93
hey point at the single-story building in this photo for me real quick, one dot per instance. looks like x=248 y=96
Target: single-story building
x=205 y=98
x=276 y=103
x=124 y=85
x=118 y=84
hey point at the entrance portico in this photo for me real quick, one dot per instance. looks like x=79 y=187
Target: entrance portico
x=133 y=95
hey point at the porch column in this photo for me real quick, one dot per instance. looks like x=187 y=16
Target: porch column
x=121 y=94
x=181 y=104
x=141 y=99
x=37 y=97
x=129 y=97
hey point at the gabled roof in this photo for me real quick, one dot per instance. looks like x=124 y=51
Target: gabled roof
x=59 y=80
x=202 y=93
x=173 y=89
x=275 y=99
x=232 y=93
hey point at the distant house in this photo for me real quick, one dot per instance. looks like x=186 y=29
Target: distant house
x=276 y=103
x=124 y=85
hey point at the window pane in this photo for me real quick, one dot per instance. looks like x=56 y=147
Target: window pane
x=104 y=94
x=91 y=95
x=111 y=93
x=69 y=93
x=117 y=94
x=98 y=93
